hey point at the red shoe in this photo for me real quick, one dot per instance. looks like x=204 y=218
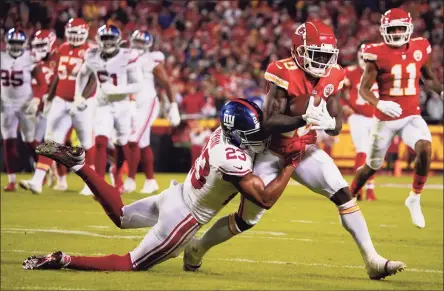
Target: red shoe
x=11 y=187
x=370 y=195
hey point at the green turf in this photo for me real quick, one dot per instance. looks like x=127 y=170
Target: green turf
x=299 y=244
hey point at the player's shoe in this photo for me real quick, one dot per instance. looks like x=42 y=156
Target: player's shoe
x=86 y=191
x=129 y=186
x=54 y=261
x=60 y=186
x=150 y=186
x=66 y=155
x=32 y=186
x=11 y=187
x=191 y=258
x=370 y=195
x=378 y=268
x=413 y=203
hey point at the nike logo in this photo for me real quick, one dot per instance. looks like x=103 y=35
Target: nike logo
x=239 y=168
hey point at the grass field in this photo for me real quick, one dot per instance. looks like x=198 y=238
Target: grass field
x=299 y=244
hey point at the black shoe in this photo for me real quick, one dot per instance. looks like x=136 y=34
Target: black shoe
x=54 y=261
x=66 y=155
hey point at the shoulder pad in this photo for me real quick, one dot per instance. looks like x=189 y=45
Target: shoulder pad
x=231 y=160
x=158 y=56
x=423 y=43
x=277 y=73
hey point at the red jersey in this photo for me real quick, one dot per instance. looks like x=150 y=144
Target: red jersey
x=352 y=82
x=48 y=68
x=287 y=75
x=69 y=61
x=399 y=71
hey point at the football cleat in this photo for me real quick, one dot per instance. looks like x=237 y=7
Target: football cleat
x=86 y=191
x=129 y=186
x=191 y=260
x=150 y=186
x=413 y=204
x=379 y=268
x=61 y=186
x=54 y=261
x=32 y=186
x=11 y=187
x=66 y=155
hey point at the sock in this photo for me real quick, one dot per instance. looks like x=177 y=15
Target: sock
x=353 y=221
x=148 y=162
x=370 y=183
x=90 y=156
x=106 y=194
x=106 y=263
x=11 y=178
x=219 y=232
x=10 y=155
x=418 y=183
x=359 y=160
x=43 y=165
x=135 y=159
x=100 y=158
x=123 y=154
x=62 y=179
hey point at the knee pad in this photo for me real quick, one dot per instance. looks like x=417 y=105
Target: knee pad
x=236 y=224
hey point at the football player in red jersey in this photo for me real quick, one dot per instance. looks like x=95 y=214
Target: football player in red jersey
x=397 y=65
x=65 y=111
x=360 y=116
x=311 y=71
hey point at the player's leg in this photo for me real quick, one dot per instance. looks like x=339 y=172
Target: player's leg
x=28 y=125
x=83 y=123
x=103 y=127
x=62 y=171
x=416 y=135
x=9 y=126
x=150 y=185
x=136 y=125
x=382 y=134
x=318 y=172
x=58 y=124
x=267 y=167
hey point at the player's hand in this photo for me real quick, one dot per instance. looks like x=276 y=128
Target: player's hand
x=32 y=106
x=311 y=108
x=173 y=114
x=79 y=104
x=294 y=152
x=389 y=108
x=321 y=120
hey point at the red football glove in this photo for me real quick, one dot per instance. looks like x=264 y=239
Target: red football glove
x=294 y=151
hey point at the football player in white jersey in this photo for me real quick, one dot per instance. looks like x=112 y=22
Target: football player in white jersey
x=117 y=76
x=223 y=169
x=146 y=109
x=19 y=104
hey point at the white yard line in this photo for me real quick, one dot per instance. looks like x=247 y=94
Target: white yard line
x=387 y=185
x=245 y=260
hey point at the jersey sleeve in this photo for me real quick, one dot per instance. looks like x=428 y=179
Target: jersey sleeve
x=423 y=44
x=231 y=161
x=277 y=74
x=158 y=57
x=370 y=53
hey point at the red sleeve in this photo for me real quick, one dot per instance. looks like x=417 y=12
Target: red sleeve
x=41 y=87
x=277 y=74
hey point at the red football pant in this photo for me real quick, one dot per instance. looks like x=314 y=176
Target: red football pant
x=10 y=155
x=148 y=162
x=106 y=263
x=135 y=159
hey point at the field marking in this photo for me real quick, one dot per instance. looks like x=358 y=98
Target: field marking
x=386 y=185
x=245 y=260
x=36 y=287
x=67 y=231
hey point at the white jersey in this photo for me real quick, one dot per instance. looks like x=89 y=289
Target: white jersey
x=120 y=70
x=148 y=61
x=205 y=191
x=16 y=78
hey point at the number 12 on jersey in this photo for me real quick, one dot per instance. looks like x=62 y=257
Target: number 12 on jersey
x=397 y=71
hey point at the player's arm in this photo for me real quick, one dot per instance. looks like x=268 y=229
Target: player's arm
x=161 y=76
x=135 y=79
x=82 y=80
x=274 y=106
x=90 y=86
x=429 y=78
x=41 y=87
x=253 y=188
x=334 y=109
x=52 y=89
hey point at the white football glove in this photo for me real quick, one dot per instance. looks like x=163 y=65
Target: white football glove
x=311 y=108
x=173 y=114
x=321 y=119
x=46 y=105
x=389 y=108
x=79 y=104
x=32 y=106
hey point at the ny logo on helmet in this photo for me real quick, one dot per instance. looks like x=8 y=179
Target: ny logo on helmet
x=229 y=120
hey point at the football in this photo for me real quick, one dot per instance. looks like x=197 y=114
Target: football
x=298 y=106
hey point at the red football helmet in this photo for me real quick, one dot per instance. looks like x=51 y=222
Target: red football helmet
x=43 y=43
x=76 y=31
x=396 y=27
x=314 y=48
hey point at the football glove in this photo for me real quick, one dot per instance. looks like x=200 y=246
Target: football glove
x=311 y=108
x=32 y=106
x=294 y=151
x=389 y=108
x=173 y=114
x=79 y=104
x=321 y=119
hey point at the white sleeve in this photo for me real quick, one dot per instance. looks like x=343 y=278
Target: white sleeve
x=82 y=79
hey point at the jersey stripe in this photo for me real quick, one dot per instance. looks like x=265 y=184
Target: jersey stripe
x=276 y=80
x=236 y=173
x=247 y=105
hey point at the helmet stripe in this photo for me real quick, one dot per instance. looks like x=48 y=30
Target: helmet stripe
x=247 y=105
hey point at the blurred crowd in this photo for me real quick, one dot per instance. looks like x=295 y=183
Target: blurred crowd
x=216 y=50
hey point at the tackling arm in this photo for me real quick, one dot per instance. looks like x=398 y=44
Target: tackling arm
x=274 y=107
x=253 y=188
